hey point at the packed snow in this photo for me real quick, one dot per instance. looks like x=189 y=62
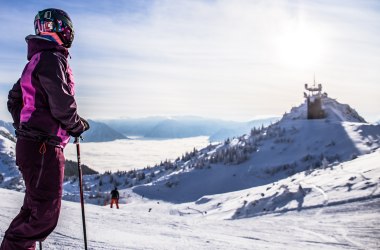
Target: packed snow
x=338 y=207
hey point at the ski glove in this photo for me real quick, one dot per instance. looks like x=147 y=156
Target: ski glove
x=85 y=125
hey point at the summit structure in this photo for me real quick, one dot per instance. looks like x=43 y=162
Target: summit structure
x=314 y=101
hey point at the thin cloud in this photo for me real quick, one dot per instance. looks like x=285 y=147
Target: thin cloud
x=218 y=58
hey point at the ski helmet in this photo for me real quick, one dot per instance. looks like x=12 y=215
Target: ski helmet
x=55 y=21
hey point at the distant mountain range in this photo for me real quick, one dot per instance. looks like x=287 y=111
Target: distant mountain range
x=185 y=126
x=161 y=127
x=101 y=132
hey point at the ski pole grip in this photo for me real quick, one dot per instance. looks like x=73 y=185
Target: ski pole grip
x=78 y=139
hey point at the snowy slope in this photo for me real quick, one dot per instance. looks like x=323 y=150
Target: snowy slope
x=335 y=184
x=338 y=208
x=8 y=126
x=10 y=176
x=283 y=149
x=334 y=110
x=262 y=157
x=297 y=184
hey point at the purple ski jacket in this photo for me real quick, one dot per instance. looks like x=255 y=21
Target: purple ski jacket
x=42 y=102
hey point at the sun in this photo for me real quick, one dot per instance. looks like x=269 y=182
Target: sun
x=300 y=47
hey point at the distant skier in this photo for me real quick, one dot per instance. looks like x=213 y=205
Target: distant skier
x=115 y=198
x=44 y=112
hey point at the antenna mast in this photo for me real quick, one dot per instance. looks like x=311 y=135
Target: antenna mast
x=314 y=90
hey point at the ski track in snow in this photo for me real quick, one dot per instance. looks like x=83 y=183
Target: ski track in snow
x=343 y=232
x=133 y=227
x=320 y=190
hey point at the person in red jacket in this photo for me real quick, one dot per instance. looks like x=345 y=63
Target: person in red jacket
x=45 y=115
x=115 y=198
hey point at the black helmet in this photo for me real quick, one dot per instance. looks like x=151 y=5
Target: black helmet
x=55 y=21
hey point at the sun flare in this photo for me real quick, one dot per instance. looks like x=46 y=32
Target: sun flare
x=300 y=47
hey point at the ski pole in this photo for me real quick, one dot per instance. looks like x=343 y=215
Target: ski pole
x=77 y=140
x=40 y=245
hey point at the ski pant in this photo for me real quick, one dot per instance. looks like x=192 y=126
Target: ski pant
x=42 y=167
x=116 y=201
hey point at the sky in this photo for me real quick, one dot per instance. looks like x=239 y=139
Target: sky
x=234 y=60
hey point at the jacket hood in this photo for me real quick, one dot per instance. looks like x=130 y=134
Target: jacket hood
x=37 y=44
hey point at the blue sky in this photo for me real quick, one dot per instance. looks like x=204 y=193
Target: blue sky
x=235 y=60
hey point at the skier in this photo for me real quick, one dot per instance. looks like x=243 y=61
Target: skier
x=115 y=197
x=44 y=112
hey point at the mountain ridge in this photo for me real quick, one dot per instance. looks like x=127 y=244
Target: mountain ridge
x=185 y=126
x=292 y=145
x=265 y=155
